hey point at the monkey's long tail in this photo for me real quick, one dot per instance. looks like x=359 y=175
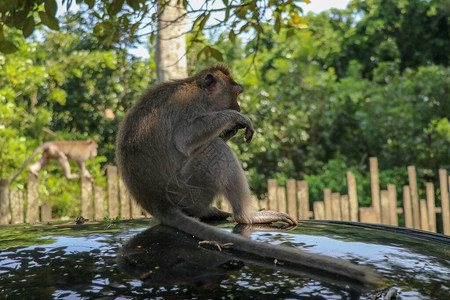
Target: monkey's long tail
x=338 y=268
x=35 y=152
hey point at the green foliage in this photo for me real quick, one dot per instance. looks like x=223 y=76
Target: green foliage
x=323 y=99
x=54 y=91
x=112 y=222
x=410 y=33
x=118 y=21
x=307 y=118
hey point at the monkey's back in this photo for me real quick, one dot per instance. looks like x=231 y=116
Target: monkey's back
x=145 y=153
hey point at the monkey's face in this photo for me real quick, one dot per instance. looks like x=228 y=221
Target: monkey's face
x=237 y=89
x=93 y=148
x=223 y=90
x=94 y=151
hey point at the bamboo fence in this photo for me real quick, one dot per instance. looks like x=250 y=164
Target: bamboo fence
x=293 y=198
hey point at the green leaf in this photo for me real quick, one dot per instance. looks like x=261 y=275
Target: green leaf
x=115 y=7
x=232 y=36
x=133 y=4
x=227 y=14
x=91 y=3
x=244 y=28
x=198 y=20
x=134 y=27
x=258 y=27
x=241 y=12
x=50 y=7
x=2 y=36
x=290 y=32
x=216 y=54
x=50 y=22
x=205 y=19
x=205 y=50
x=28 y=26
x=152 y=37
x=277 y=24
x=19 y=17
x=7 y=47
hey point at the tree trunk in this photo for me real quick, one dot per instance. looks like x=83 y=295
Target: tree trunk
x=171 y=41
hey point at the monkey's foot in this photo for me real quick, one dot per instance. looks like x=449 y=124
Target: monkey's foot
x=212 y=244
x=214 y=213
x=89 y=177
x=266 y=216
x=33 y=171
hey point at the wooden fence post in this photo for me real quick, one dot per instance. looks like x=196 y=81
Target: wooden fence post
x=375 y=188
x=255 y=202
x=291 y=193
x=414 y=196
x=16 y=197
x=86 y=198
x=113 y=197
x=345 y=208
x=319 y=210
x=431 y=205
x=33 y=199
x=336 y=207
x=264 y=203
x=444 y=201
x=145 y=214
x=136 y=210
x=4 y=201
x=367 y=215
x=125 y=205
x=407 y=209
x=424 y=215
x=327 y=204
x=303 y=200
x=352 y=197
x=99 y=203
x=385 y=213
x=392 y=196
x=281 y=197
x=272 y=194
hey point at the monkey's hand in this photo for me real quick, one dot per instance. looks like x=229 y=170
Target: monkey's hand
x=244 y=122
x=228 y=134
x=249 y=131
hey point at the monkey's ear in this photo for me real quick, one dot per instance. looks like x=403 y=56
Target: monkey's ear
x=209 y=83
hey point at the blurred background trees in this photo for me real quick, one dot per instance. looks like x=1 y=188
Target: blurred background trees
x=369 y=80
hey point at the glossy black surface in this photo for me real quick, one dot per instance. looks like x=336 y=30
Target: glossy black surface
x=127 y=261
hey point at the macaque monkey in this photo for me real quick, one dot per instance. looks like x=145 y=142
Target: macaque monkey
x=62 y=151
x=173 y=157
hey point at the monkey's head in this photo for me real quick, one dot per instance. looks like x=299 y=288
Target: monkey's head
x=221 y=87
x=92 y=145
